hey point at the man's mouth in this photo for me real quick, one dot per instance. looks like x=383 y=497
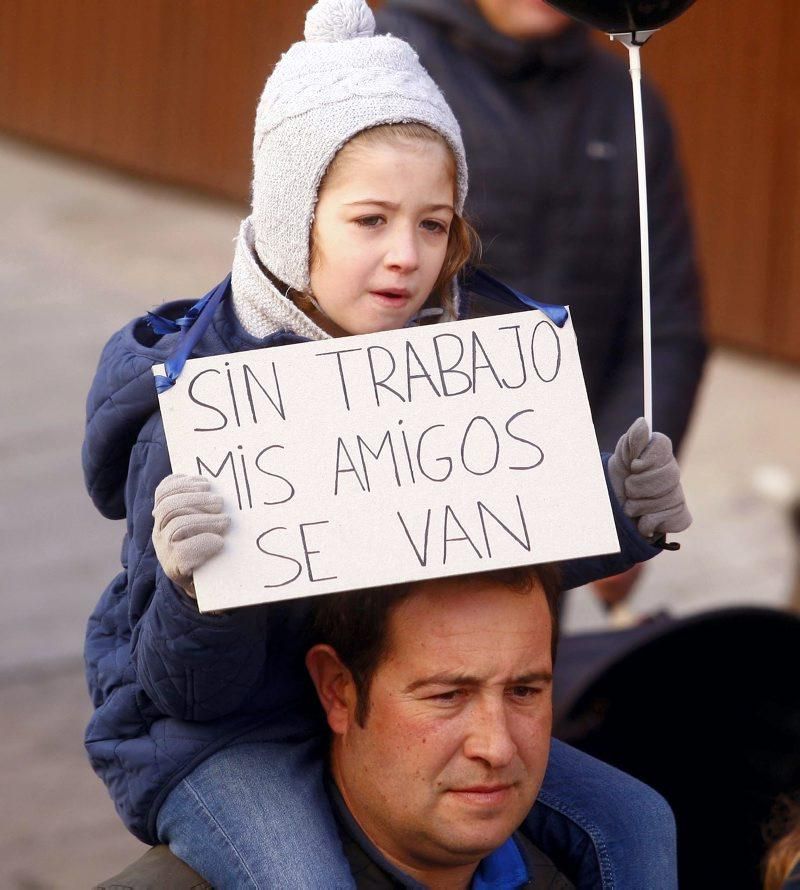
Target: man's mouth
x=483 y=795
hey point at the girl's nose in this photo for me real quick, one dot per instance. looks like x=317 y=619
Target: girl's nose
x=403 y=252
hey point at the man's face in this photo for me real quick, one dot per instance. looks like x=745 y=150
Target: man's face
x=456 y=740
x=523 y=19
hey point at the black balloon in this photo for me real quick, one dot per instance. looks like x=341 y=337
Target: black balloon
x=623 y=16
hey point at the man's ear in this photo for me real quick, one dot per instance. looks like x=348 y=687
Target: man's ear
x=335 y=687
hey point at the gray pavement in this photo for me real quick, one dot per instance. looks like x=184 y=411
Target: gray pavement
x=83 y=250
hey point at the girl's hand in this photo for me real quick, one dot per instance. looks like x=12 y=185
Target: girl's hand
x=647 y=481
x=188 y=529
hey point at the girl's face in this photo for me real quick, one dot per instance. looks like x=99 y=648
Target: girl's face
x=380 y=235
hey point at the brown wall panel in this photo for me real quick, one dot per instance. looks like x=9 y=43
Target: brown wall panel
x=165 y=88
x=731 y=77
x=784 y=323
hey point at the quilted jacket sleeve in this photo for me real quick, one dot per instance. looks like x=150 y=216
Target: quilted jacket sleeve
x=192 y=666
x=633 y=549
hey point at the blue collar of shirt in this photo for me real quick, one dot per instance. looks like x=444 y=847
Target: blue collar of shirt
x=504 y=869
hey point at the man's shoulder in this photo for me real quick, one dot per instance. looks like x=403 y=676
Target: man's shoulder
x=159 y=867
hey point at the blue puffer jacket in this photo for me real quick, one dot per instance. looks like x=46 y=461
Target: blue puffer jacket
x=171 y=686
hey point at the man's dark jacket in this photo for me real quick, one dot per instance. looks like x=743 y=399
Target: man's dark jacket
x=548 y=129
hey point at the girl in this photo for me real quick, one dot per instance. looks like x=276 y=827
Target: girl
x=205 y=729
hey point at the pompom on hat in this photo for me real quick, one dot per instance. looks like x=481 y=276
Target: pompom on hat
x=340 y=80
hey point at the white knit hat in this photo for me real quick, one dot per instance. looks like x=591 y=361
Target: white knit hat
x=339 y=81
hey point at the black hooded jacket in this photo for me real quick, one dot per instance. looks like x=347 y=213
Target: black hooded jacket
x=548 y=129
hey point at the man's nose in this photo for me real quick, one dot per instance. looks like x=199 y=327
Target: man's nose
x=402 y=252
x=489 y=737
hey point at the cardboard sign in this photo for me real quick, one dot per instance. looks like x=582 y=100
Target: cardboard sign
x=409 y=454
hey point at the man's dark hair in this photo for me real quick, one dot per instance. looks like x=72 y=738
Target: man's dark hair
x=356 y=623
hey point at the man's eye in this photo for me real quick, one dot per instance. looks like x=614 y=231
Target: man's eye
x=451 y=695
x=369 y=222
x=434 y=225
x=524 y=693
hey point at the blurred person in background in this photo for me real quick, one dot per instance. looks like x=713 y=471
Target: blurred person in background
x=782 y=862
x=547 y=121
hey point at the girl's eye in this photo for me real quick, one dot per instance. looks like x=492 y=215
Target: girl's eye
x=369 y=222
x=434 y=225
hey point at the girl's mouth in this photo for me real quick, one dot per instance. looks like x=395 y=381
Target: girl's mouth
x=392 y=296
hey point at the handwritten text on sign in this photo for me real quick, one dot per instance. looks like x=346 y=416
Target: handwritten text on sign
x=409 y=454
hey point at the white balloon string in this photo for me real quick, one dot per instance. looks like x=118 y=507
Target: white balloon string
x=636 y=79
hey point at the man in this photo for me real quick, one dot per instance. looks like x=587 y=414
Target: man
x=438 y=698
x=547 y=122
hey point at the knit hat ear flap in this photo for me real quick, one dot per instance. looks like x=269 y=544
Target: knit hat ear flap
x=332 y=20
x=339 y=81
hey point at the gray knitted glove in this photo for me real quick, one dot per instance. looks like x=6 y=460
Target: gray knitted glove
x=189 y=525
x=647 y=481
